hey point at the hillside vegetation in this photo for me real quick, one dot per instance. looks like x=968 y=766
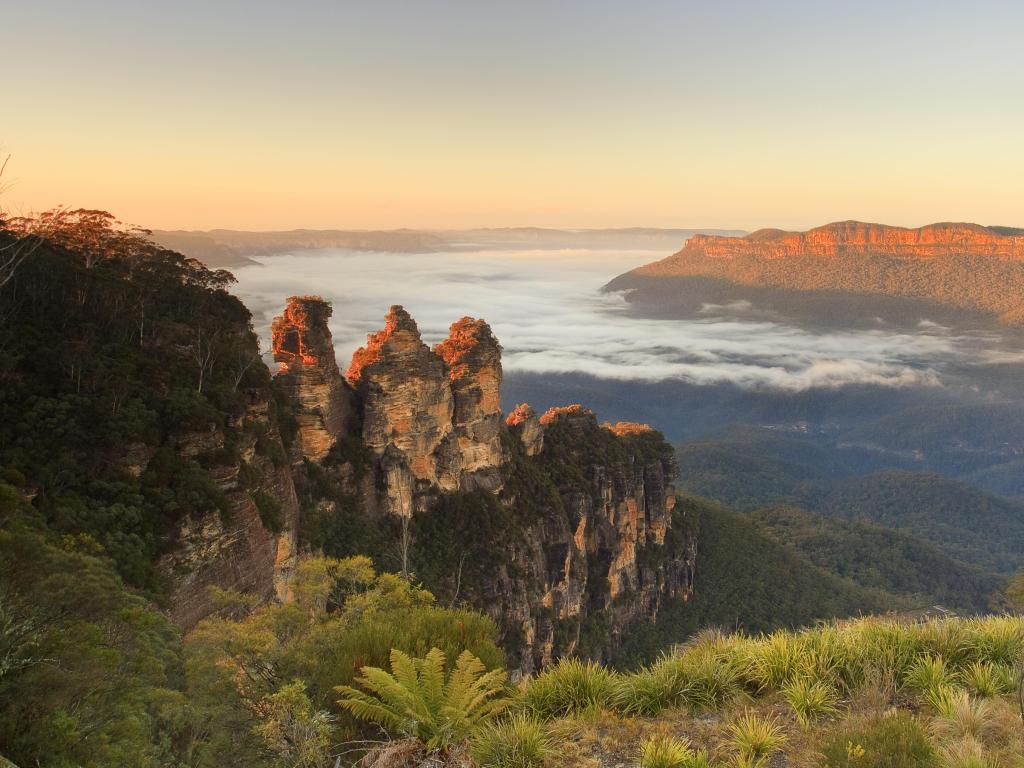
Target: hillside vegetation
x=873 y=692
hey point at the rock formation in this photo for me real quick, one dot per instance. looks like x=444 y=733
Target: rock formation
x=308 y=372
x=854 y=238
x=570 y=547
x=949 y=268
x=473 y=358
x=433 y=416
x=238 y=550
x=524 y=424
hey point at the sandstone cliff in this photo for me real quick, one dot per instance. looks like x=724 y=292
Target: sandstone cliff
x=254 y=547
x=323 y=403
x=555 y=526
x=966 y=267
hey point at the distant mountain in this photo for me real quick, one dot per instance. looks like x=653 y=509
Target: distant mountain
x=233 y=248
x=848 y=265
x=752 y=469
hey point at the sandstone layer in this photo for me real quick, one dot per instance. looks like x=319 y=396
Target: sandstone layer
x=308 y=373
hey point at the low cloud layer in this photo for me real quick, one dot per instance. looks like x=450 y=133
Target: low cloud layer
x=546 y=309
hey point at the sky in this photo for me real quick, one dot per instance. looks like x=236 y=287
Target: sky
x=428 y=114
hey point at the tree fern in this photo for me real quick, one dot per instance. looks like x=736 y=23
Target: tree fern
x=418 y=699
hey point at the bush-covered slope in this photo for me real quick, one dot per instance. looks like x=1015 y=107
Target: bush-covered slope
x=747 y=580
x=881 y=558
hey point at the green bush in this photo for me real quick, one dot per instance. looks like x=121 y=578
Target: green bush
x=671 y=752
x=417 y=698
x=270 y=510
x=517 y=741
x=892 y=740
x=570 y=687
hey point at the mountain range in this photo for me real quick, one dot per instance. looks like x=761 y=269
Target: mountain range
x=845 y=269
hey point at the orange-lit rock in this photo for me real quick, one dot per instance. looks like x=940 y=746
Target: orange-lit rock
x=853 y=238
x=408 y=404
x=473 y=358
x=303 y=348
x=525 y=425
x=626 y=428
x=966 y=267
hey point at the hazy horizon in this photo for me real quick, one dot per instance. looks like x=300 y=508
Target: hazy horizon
x=317 y=114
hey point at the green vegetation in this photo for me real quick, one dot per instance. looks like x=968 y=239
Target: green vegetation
x=774 y=587
x=866 y=692
x=417 y=699
x=877 y=557
x=517 y=741
x=114 y=353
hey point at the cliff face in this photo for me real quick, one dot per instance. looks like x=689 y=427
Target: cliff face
x=253 y=548
x=323 y=403
x=964 y=267
x=565 y=520
x=852 y=238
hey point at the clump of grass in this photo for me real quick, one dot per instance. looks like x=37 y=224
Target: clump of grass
x=987 y=680
x=961 y=716
x=776 y=659
x=671 y=752
x=518 y=741
x=891 y=740
x=755 y=738
x=965 y=753
x=928 y=675
x=661 y=686
x=570 y=687
x=811 y=699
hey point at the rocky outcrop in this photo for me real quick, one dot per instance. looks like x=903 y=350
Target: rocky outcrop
x=855 y=238
x=941 y=270
x=522 y=421
x=253 y=547
x=433 y=417
x=473 y=358
x=565 y=519
x=308 y=372
x=594 y=563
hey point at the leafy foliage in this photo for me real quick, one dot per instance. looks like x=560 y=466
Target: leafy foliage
x=418 y=699
x=516 y=741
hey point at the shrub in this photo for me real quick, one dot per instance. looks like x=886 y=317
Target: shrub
x=570 y=688
x=961 y=716
x=671 y=752
x=811 y=699
x=518 y=741
x=661 y=686
x=987 y=680
x=270 y=511
x=418 y=699
x=892 y=740
x=928 y=674
x=965 y=753
x=755 y=737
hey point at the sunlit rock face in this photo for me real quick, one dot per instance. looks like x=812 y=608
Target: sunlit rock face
x=407 y=404
x=473 y=358
x=308 y=372
x=524 y=423
x=851 y=238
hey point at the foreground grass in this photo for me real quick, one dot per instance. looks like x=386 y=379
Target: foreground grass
x=872 y=692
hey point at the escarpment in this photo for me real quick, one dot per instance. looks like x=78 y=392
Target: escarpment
x=555 y=526
x=962 y=266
